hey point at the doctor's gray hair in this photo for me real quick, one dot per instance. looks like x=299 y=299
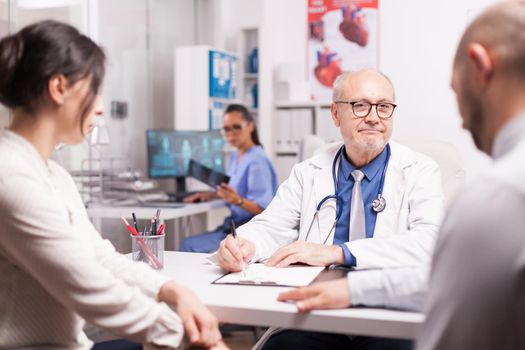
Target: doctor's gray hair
x=338 y=86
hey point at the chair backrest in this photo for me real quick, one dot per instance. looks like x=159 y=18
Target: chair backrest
x=444 y=154
x=309 y=144
x=447 y=157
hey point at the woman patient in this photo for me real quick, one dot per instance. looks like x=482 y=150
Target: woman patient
x=56 y=272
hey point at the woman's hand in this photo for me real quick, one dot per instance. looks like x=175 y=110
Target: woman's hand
x=200 y=325
x=228 y=193
x=200 y=197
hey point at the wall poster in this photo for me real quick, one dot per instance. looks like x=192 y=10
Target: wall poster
x=342 y=36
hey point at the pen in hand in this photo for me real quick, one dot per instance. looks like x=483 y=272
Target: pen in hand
x=234 y=234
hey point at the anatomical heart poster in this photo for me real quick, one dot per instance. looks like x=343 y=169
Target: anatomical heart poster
x=342 y=36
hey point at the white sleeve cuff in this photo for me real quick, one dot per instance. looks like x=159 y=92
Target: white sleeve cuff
x=168 y=331
x=365 y=288
x=402 y=288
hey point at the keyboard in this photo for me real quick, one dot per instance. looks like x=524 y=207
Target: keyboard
x=178 y=197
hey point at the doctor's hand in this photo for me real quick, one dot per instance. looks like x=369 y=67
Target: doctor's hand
x=233 y=251
x=200 y=325
x=307 y=253
x=324 y=295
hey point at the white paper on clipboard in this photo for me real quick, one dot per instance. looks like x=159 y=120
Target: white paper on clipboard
x=261 y=275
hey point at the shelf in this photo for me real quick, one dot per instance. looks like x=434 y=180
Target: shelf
x=225 y=100
x=251 y=76
x=301 y=104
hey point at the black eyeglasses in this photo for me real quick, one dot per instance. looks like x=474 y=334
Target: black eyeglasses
x=234 y=128
x=361 y=109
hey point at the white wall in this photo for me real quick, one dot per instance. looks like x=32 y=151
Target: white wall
x=4 y=113
x=417 y=44
x=139 y=37
x=417 y=41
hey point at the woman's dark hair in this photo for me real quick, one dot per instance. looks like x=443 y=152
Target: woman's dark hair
x=246 y=115
x=31 y=57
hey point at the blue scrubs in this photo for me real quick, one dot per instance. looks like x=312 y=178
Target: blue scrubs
x=254 y=179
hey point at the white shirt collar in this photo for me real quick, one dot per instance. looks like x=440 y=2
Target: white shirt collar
x=28 y=148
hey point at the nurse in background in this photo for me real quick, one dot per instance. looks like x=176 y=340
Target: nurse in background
x=252 y=180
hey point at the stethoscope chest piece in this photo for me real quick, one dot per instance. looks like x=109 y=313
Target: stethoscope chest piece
x=379 y=204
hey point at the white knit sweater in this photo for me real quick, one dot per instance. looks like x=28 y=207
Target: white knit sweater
x=56 y=271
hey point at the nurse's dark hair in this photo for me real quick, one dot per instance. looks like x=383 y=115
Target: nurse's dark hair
x=40 y=51
x=246 y=115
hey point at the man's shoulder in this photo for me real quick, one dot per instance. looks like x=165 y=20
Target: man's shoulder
x=486 y=197
x=510 y=170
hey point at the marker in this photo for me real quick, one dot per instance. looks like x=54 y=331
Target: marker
x=135 y=222
x=160 y=231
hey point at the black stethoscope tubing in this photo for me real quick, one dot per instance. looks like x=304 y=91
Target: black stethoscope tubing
x=378 y=204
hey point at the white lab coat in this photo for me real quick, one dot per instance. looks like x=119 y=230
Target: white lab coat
x=405 y=231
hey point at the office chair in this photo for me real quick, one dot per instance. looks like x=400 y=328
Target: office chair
x=309 y=145
x=447 y=157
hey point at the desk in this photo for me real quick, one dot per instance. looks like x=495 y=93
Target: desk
x=258 y=306
x=97 y=212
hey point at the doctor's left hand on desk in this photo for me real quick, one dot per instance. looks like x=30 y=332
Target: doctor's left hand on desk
x=307 y=253
x=233 y=251
x=324 y=295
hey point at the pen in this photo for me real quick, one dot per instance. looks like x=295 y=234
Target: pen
x=234 y=234
x=135 y=222
x=160 y=231
x=152 y=258
x=154 y=221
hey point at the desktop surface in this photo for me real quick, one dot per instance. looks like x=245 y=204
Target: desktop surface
x=235 y=304
x=165 y=204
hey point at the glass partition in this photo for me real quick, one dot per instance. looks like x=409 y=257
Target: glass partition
x=4 y=30
x=139 y=38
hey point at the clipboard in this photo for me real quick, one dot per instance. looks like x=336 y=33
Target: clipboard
x=209 y=176
x=259 y=274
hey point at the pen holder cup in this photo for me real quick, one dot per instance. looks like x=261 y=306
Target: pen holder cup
x=149 y=249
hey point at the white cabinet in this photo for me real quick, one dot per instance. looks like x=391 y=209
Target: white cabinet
x=205 y=83
x=292 y=122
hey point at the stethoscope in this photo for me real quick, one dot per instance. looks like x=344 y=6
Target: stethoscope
x=378 y=204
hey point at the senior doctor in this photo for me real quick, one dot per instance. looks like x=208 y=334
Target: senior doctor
x=368 y=202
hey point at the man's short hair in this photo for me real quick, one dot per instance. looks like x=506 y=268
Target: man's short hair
x=501 y=30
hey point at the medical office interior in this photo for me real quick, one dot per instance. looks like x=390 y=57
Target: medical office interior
x=164 y=58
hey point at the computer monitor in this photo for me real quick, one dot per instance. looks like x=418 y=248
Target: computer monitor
x=170 y=151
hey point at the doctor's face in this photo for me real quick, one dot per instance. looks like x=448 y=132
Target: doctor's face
x=370 y=133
